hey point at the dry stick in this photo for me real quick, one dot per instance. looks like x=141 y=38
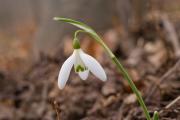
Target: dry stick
x=162 y=79
x=171 y=35
x=44 y=98
x=55 y=107
x=57 y=111
x=171 y=104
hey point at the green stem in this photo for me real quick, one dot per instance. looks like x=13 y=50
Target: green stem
x=128 y=78
x=133 y=87
x=123 y=71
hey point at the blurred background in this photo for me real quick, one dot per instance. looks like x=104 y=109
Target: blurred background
x=144 y=34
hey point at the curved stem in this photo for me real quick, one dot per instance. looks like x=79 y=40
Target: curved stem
x=122 y=70
x=133 y=87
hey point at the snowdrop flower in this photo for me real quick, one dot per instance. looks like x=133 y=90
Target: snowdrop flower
x=83 y=64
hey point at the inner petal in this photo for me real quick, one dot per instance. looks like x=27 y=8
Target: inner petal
x=84 y=75
x=79 y=64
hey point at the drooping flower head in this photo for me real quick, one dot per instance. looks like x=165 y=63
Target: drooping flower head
x=83 y=64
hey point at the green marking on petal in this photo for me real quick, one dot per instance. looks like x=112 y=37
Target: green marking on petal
x=79 y=68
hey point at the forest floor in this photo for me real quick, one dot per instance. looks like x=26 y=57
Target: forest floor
x=30 y=91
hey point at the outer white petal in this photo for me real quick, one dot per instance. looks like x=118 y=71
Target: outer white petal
x=93 y=66
x=84 y=75
x=65 y=71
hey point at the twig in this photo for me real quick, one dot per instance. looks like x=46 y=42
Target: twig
x=56 y=108
x=170 y=35
x=162 y=79
x=57 y=111
x=171 y=104
x=44 y=98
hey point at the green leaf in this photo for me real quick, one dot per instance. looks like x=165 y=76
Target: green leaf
x=76 y=23
x=80 y=25
x=155 y=116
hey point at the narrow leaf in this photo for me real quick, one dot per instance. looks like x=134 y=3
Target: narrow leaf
x=75 y=23
x=155 y=116
x=80 y=25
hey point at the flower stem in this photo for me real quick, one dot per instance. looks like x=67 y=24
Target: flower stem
x=133 y=87
x=128 y=78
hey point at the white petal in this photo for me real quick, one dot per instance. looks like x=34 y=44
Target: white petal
x=65 y=71
x=93 y=66
x=84 y=75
